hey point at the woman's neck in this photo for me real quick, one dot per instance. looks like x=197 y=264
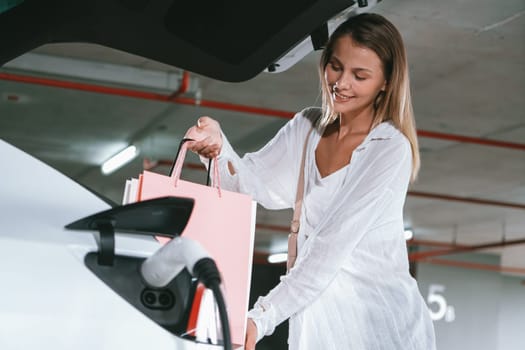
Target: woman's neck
x=355 y=124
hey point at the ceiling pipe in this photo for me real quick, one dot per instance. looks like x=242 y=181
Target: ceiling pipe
x=438 y=244
x=183 y=87
x=174 y=98
x=64 y=84
x=278 y=228
x=476 y=266
x=469 y=200
x=469 y=139
x=419 y=256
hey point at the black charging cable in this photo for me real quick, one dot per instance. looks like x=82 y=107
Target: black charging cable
x=207 y=272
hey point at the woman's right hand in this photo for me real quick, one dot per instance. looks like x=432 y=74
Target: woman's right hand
x=208 y=137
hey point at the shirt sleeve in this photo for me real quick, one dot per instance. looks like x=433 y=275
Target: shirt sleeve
x=351 y=215
x=269 y=175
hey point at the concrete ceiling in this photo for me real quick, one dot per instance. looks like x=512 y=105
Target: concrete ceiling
x=467 y=62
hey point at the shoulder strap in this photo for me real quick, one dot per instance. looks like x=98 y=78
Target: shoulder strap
x=294 y=227
x=313 y=113
x=300 y=183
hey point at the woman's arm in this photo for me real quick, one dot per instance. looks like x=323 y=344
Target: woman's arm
x=268 y=175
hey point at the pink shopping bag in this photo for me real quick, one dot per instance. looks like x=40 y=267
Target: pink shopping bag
x=223 y=222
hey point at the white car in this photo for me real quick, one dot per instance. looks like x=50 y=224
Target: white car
x=56 y=294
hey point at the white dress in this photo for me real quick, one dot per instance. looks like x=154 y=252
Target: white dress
x=350 y=287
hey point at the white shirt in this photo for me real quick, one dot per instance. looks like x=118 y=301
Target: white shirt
x=318 y=194
x=350 y=287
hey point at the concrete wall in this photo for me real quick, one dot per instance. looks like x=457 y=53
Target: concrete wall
x=485 y=310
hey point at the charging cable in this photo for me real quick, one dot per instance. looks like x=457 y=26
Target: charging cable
x=165 y=264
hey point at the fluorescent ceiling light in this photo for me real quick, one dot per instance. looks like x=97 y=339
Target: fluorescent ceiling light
x=119 y=159
x=409 y=234
x=277 y=258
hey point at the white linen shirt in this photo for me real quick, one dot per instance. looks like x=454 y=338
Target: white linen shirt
x=350 y=287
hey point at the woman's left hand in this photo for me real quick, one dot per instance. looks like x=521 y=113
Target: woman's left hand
x=207 y=136
x=251 y=335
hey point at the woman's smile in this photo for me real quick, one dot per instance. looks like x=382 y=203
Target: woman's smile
x=339 y=97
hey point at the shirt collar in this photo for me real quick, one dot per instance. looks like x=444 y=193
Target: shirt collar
x=382 y=132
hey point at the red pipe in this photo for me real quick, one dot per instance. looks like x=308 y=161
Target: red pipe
x=84 y=87
x=183 y=87
x=280 y=228
x=222 y=105
x=466 y=199
x=477 y=266
x=422 y=242
x=418 y=256
x=237 y=107
x=469 y=139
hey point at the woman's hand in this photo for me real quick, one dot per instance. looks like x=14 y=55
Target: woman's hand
x=251 y=335
x=208 y=137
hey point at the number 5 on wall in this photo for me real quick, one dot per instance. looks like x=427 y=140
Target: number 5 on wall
x=442 y=310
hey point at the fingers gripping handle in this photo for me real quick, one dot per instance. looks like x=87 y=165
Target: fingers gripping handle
x=176 y=168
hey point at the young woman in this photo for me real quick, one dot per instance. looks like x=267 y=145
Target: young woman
x=350 y=286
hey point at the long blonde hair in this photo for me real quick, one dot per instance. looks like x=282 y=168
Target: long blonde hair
x=375 y=32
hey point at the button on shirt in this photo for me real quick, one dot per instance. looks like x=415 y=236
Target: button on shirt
x=350 y=287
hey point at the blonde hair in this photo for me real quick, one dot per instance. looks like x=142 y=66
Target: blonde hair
x=375 y=32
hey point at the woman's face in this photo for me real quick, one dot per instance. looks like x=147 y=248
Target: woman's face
x=354 y=75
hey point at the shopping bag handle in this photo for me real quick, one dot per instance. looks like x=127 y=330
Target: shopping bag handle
x=178 y=162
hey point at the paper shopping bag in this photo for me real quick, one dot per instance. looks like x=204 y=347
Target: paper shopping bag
x=223 y=222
